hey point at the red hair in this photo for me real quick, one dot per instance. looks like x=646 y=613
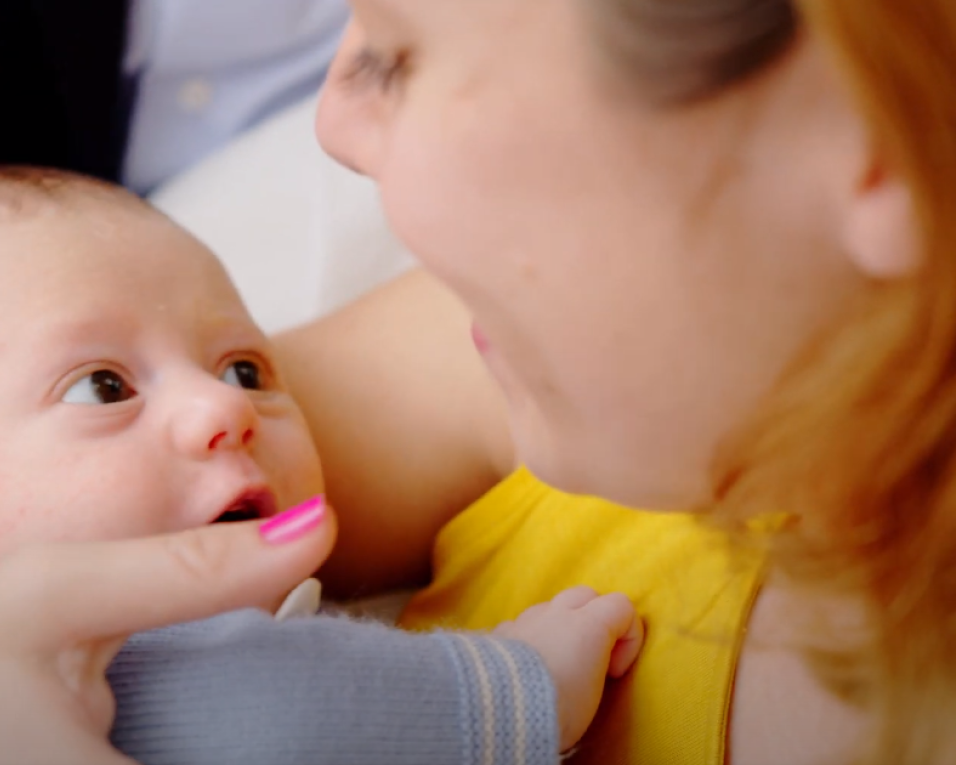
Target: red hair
x=859 y=443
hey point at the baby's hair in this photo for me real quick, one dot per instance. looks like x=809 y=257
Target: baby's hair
x=26 y=191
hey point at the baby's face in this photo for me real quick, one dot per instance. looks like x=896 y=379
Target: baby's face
x=137 y=397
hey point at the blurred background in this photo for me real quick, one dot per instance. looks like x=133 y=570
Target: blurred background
x=205 y=107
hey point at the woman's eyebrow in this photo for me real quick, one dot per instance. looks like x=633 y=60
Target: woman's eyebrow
x=383 y=11
x=375 y=5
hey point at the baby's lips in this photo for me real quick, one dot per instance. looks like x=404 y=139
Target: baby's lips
x=251 y=504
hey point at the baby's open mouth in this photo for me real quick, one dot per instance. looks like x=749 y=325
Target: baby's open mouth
x=249 y=506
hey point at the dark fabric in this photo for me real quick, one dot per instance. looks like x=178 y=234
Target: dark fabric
x=63 y=99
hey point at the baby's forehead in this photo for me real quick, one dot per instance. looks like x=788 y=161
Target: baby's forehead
x=51 y=217
x=69 y=241
x=94 y=258
x=54 y=216
x=67 y=302
x=94 y=247
x=26 y=192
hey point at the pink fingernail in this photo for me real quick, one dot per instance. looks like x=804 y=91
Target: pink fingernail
x=294 y=523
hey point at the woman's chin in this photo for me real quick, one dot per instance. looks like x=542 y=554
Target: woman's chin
x=562 y=464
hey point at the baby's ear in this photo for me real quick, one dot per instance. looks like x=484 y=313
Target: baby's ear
x=880 y=231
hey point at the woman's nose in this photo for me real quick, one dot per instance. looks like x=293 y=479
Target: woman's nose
x=212 y=417
x=349 y=122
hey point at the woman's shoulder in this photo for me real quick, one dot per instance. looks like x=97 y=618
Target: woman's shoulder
x=779 y=705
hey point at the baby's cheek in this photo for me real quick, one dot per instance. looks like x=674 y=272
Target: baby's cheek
x=11 y=530
x=25 y=514
x=23 y=524
x=290 y=459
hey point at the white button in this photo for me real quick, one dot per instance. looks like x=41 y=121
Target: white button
x=195 y=95
x=303 y=601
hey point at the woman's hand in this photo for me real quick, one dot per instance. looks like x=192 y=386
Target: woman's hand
x=65 y=610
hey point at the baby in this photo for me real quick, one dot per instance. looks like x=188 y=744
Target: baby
x=142 y=399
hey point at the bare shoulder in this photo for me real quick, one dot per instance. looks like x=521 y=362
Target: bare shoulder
x=780 y=713
x=409 y=425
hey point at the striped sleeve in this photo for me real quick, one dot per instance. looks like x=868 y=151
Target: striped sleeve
x=508 y=702
x=245 y=689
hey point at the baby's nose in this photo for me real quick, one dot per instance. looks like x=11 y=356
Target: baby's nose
x=214 y=417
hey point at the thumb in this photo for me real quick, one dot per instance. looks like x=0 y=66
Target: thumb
x=627 y=649
x=624 y=629
x=52 y=595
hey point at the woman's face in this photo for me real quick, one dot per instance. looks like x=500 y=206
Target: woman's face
x=639 y=276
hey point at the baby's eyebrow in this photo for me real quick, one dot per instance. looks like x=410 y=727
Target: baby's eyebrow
x=53 y=347
x=69 y=332
x=237 y=325
x=58 y=343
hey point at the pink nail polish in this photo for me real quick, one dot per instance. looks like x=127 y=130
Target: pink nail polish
x=294 y=523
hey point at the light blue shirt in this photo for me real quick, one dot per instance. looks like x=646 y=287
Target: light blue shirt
x=207 y=70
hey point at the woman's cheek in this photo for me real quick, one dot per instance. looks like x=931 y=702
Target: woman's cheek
x=439 y=217
x=416 y=214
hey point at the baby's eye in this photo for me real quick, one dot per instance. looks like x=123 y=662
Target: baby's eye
x=244 y=374
x=103 y=386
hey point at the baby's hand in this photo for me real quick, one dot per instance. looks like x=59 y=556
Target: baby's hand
x=582 y=638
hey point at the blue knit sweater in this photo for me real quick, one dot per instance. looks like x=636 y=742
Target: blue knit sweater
x=245 y=689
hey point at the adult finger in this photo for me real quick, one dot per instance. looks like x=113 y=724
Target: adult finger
x=71 y=592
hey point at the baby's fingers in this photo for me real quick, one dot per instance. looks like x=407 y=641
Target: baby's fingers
x=626 y=650
x=624 y=629
x=575 y=597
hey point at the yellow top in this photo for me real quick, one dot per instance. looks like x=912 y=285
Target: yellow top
x=524 y=542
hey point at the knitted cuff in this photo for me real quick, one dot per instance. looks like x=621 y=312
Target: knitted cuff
x=508 y=701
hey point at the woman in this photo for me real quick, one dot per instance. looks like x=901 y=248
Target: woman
x=687 y=254
x=708 y=270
